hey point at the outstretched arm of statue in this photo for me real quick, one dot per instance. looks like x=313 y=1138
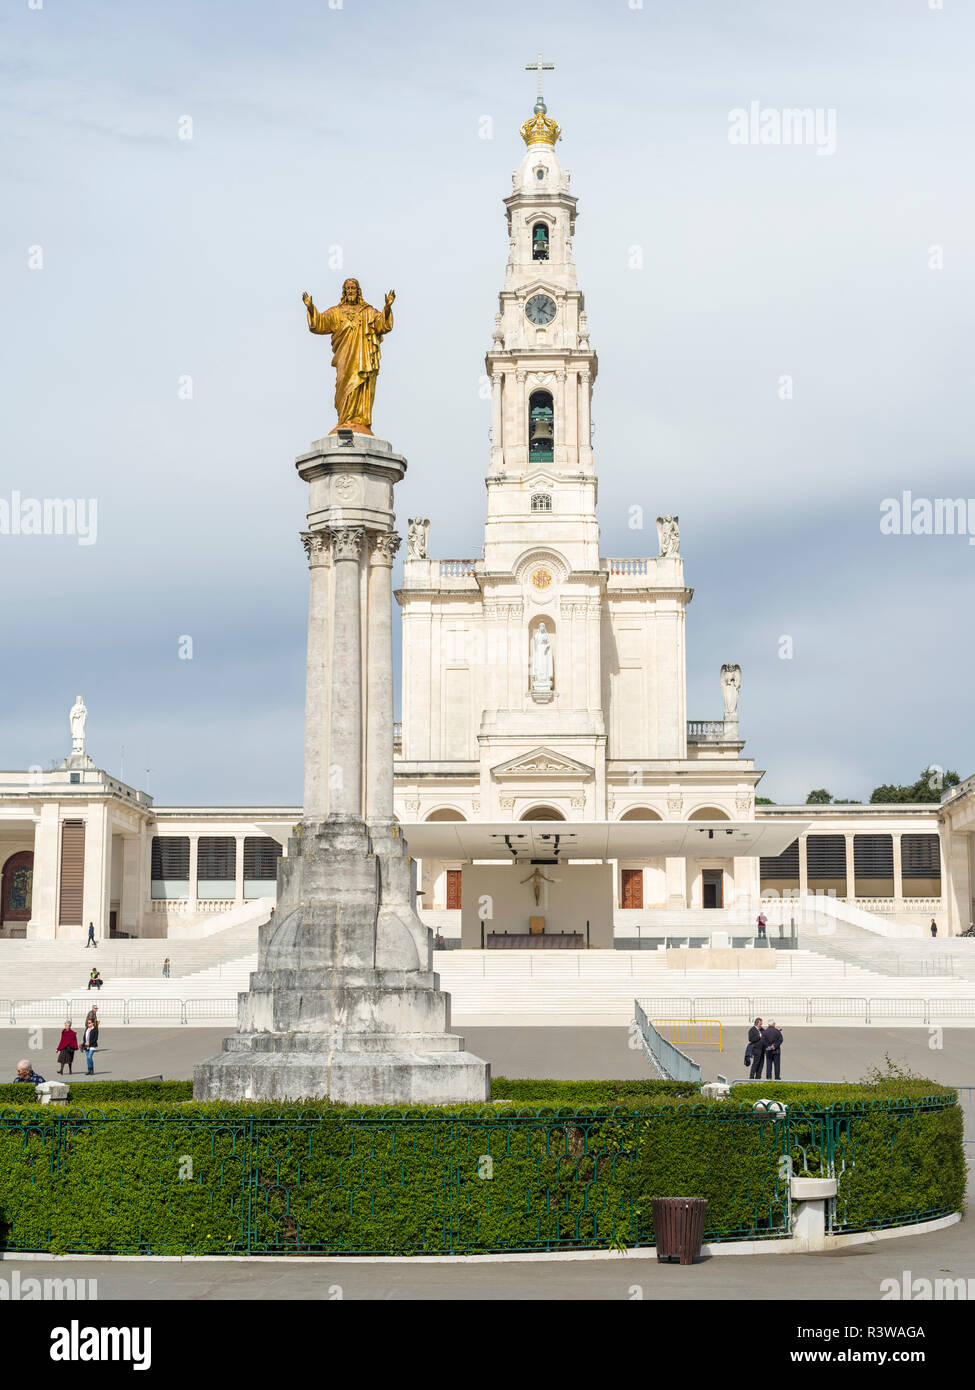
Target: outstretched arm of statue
x=388 y=311
x=316 y=319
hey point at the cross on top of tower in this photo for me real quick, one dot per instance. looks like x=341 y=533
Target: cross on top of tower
x=539 y=66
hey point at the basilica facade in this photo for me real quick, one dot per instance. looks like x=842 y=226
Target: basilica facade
x=550 y=785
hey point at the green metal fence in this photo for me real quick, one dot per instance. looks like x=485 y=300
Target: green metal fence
x=405 y=1182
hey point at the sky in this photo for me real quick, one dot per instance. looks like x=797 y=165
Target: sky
x=783 y=330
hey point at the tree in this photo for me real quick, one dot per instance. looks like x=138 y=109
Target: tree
x=928 y=787
x=820 y=797
x=764 y=801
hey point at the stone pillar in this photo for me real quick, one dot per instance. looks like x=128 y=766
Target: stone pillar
x=803 y=867
x=898 y=875
x=520 y=439
x=318 y=549
x=238 y=870
x=130 y=901
x=193 y=889
x=585 y=418
x=344 y=1003
x=560 y=451
x=851 y=882
x=345 y=768
x=379 y=678
x=44 y=885
x=98 y=859
x=497 y=436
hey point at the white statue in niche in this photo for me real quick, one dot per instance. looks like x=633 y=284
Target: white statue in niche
x=730 y=686
x=78 y=717
x=542 y=664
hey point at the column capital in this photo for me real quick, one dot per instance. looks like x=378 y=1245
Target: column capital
x=384 y=545
x=346 y=542
x=318 y=547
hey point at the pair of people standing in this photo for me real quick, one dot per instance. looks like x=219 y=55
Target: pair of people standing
x=764 y=1044
x=68 y=1044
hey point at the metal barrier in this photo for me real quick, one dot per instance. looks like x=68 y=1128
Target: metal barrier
x=667 y=1059
x=22 y=1010
x=155 y=1008
x=951 y=1008
x=820 y=1007
x=704 y=1032
x=724 y=1005
x=116 y=1009
x=897 y=1008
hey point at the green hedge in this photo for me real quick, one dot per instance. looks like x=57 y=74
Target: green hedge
x=102 y=1092
x=230 y=1178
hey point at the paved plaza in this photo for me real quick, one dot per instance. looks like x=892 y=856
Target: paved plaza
x=840 y=1053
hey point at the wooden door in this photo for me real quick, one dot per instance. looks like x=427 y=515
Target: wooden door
x=453 y=889
x=631 y=888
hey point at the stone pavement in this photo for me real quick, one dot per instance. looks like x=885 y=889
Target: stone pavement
x=584 y=1053
x=853 y=1274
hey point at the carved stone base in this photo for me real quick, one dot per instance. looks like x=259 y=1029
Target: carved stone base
x=344 y=1003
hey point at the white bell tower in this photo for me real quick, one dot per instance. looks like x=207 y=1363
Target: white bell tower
x=541 y=365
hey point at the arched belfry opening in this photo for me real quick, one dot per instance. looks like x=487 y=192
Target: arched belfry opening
x=541 y=427
x=540 y=242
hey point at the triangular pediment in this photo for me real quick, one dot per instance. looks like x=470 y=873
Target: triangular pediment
x=542 y=762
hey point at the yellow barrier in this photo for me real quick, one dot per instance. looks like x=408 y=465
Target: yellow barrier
x=705 y=1032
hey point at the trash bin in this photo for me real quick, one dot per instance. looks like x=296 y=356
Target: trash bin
x=678 y=1227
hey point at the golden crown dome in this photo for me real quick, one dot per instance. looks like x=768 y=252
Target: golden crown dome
x=540 y=129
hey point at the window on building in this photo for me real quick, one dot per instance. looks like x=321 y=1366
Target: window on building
x=261 y=855
x=539 y=242
x=170 y=871
x=541 y=428
x=873 y=856
x=826 y=856
x=541 y=501
x=784 y=865
x=920 y=856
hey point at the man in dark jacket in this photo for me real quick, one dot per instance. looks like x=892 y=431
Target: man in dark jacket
x=756 y=1041
x=773 y=1050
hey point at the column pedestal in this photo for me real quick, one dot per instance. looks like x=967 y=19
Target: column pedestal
x=344 y=1003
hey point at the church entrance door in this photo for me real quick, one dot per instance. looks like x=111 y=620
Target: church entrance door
x=453 y=889
x=15 y=888
x=712 y=888
x=631 y=888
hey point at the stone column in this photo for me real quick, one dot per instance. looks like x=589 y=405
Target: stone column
x=521 y=431
x=44 y=886
x=193 y=890
x=560 y=454
x=130 y=901
x=585 y=431
x=898 y=875
x=238 y=870
x=497 y=436
x=379 y=677
x=345 y=753
x=851 y=881
x=803 y=867
x=318 y=549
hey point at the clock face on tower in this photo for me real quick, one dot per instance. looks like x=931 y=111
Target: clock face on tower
x=540 y=309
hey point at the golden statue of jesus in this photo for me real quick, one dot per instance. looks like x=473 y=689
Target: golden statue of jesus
x=357 y=330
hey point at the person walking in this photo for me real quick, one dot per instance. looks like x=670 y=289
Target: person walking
x=934 y=927
x=67 y=1047
x=773 y=1050
x=166 y=968
x=91 y=937
x=762 y=924
x=90 y=1043
x=756 y=1042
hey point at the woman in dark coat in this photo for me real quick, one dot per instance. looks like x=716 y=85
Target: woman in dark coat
x=67 y=1047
